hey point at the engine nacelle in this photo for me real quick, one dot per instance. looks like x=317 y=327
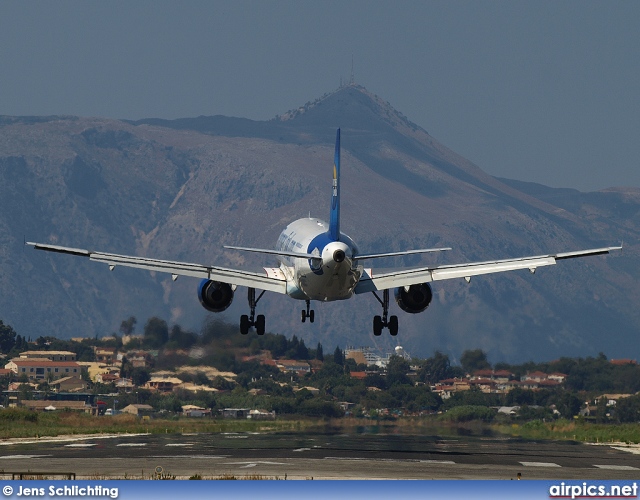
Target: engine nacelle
x=416 y=300
x=214 y=295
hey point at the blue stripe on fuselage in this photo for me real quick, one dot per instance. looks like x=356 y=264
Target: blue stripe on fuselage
x=319 y=242
x=334 y=219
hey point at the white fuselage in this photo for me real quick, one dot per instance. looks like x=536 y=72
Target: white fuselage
x=332 y=276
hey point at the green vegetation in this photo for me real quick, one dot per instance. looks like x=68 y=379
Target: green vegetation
x=401 y=394
x=467 y=413
x=20 y=423
x=576 y=430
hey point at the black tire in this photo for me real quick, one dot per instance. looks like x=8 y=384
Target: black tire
x=311 y=316
x=260 y=324
x=244 y=324
x=393 y=325
x=304 y=316
x=377 y=326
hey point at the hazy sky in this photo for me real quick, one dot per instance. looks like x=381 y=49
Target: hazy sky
x=545 y=91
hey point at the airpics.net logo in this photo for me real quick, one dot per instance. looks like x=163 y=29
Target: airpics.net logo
x=586 y=490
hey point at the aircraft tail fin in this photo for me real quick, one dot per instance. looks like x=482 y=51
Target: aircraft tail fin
x=334 y=219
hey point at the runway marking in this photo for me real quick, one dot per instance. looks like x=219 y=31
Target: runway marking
x=365 y=459
x=132 y=444
x=244 y=465
x=628 y=449
x=17 y=457
x=236 y=437
x=448 y=462
x=539 y=464
x=59 y=439
x=302 y=449
x=617 y=467
x=179 y=444
x=80 y=445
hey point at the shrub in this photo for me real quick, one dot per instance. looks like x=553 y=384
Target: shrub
x=18 y=414
x=469 y=412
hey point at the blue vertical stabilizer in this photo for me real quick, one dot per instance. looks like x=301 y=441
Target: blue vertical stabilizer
x=334 y=219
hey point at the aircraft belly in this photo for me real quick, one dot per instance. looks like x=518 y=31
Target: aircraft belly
x=328 y=287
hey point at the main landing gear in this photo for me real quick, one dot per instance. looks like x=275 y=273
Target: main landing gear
x=247 y=322
x=308 y=313
x=381 y=322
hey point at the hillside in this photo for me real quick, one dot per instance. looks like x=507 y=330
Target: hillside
x=182 y=189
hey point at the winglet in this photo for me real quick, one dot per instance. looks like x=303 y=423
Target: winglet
x=334 y=220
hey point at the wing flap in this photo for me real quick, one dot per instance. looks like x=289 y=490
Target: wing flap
x=397 y=254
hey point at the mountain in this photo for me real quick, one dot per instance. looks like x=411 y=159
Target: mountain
x=181 y=189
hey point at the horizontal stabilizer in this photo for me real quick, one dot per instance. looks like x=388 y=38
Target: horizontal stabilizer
x=396 y=254
x=296 y=255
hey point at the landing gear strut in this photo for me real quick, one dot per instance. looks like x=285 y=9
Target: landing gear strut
x=247 y=322
x=308 y=313
x=382 y=322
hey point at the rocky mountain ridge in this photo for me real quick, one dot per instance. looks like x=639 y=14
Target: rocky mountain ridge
x=181 y=189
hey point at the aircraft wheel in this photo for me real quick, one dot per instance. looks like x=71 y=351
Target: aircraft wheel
x=311 y=316
x=377 y=326
x=393 y=325
x=304 y=316
x=260 y=324
x=244 y=324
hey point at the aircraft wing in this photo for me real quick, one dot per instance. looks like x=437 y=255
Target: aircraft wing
x=371 y=281
x=271 y=280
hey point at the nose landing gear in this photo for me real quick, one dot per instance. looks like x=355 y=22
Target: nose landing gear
x=308 y=313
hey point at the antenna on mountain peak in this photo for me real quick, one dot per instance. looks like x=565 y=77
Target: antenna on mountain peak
x=352 y=81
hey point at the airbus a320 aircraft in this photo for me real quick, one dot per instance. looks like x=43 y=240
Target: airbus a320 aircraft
x=319 y=262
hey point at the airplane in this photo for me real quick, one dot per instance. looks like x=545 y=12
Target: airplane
x=319 y=262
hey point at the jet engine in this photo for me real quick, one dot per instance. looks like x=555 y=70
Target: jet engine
x=415 y=299
x=214 y=295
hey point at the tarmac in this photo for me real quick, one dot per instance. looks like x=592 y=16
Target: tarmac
x=306 y=457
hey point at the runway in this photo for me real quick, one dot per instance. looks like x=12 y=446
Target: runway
x=318 y=456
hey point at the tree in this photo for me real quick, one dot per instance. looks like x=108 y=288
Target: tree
x=474 y=360
x=46 y=342
x=628 y=409
x=338 y=356
x=182 y=339
x=319 y=353
x=568 y=404
x=277 y=344
x=520 y=397
x=601 y=410
x=302 y=352
x=397 y=369
x=7 y=337
x=117 y=340
x=128 y=326
x=435 y=368
x=466 y=413
x=156 y=333
x=25 y=392
x=139 y=376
